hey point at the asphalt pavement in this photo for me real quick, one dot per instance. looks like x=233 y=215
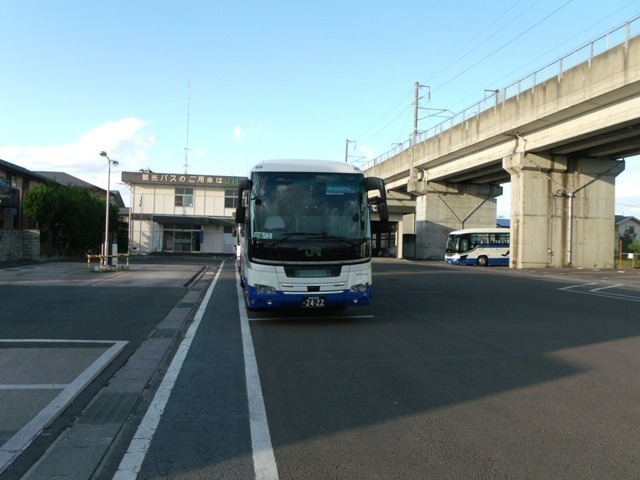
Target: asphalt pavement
x=452 y=372
x=67 y=329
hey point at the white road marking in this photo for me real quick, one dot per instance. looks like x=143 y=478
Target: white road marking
x=600 y=292
x=23 y=438
x=570 y=287
x=132 y=461
x=264 y=460
x=34 y=386
x=605 y=288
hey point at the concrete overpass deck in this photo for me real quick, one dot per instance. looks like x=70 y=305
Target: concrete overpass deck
x=560 y=142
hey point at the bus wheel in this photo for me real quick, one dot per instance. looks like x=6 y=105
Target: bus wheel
x=483 y=261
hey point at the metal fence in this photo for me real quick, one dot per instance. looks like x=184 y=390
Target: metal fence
x=628 y=260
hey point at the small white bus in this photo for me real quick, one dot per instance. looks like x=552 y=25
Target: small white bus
x=478 y=246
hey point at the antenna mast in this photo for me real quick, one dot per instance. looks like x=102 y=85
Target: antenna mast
x=186 y=149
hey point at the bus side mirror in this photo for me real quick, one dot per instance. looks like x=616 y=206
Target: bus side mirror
x=380 y=206
x=241 y=214
x=241 y=210
x=383 y=212
x=380 y=201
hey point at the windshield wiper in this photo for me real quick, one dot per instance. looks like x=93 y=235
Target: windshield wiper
x=340 y=239
x=314 y=236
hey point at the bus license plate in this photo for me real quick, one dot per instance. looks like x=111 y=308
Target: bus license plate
x=313 y=302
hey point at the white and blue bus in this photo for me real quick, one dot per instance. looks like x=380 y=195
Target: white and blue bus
x=305 y=235
x=478 y=246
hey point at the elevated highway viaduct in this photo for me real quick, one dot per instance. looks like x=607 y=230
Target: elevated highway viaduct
x=561 y=141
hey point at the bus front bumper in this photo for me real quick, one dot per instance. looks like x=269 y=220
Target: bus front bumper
x=456 y=259
x=310 y=300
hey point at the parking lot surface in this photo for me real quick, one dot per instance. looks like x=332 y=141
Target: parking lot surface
x=452 y=372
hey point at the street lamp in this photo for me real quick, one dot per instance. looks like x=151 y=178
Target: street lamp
x=108 y=200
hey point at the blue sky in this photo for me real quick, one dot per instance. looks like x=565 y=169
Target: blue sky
x=266 y=79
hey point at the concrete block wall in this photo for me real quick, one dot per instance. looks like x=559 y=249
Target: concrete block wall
x=18 y=245
x=10 y=245
x=30 y=244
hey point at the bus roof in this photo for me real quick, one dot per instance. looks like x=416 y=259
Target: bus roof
x=480 y=230
x=316 y=166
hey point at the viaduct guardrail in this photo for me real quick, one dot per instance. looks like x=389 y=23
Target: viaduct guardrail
x=617 y=36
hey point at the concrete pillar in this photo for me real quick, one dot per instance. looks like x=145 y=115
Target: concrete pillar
x=562 y=211
x=408 y=230
x=444 y=207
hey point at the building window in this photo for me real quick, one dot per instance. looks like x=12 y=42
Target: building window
x=629 y=230
x=230 y=198
x=184 y=197
x=9 y=181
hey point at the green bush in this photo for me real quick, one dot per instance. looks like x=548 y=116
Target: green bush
x=69 y=218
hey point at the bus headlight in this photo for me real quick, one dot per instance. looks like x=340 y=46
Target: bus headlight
x=359 y=287
x=265 y=290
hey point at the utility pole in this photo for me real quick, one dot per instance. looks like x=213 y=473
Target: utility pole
x=417 y=107
x=416 y=93
x=346 y=149
x=186 y=148
x=416 y=101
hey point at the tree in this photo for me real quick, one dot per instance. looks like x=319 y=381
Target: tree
x=627 y=239
x=83 y=219
x=633 y=247
x=42 y=204
x=68 y=217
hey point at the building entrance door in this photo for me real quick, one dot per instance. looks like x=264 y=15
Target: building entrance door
x=181 y=238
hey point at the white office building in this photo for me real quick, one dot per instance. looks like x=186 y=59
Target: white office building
x=181 y=213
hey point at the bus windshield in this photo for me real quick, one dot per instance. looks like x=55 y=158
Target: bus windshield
x=452 y=244
x=305 y=216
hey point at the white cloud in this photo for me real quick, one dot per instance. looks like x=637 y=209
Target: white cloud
x=627 y=192
x=627 y=184
x=362 y=155
x=124 y=140
x=240 y=131
x=368 y=152
x=201 y=152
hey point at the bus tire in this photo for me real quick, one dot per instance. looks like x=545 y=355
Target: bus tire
x=483 y=261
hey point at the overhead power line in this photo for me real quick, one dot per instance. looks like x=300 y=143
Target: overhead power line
x=407 y=95
x=510 y=75
x=505 y=45
x=409 y=108
x=468 y=51
x=384 y=116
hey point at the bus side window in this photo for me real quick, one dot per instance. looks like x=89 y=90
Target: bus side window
x=464 y=244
